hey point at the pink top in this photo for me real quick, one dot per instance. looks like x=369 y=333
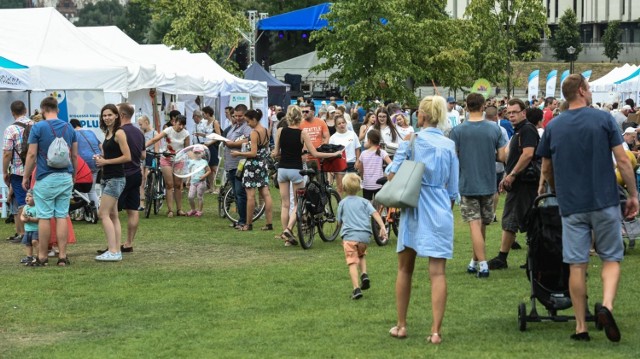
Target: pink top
x=372 y=168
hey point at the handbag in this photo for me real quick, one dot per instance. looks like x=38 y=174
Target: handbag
x=404 y=190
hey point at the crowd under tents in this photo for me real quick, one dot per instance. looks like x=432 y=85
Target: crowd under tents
x=619 y=84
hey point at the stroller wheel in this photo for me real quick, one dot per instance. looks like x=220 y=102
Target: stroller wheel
x=522 y=317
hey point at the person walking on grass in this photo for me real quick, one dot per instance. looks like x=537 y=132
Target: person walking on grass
x=52 y=191
x=427 y=231
x=479 y=144
x=356 y=231
x=588 y=197
x=115 y=154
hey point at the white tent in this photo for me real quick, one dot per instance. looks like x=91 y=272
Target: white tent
x=300 y=66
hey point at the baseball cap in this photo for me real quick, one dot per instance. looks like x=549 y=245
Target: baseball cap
x=451 y=99
x=626 y=107
x=331 y=109
x=629 y=130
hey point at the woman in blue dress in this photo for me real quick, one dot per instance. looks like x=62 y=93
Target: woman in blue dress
x=427 y=231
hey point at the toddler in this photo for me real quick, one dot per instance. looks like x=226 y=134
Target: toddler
x=30 y=239
x=370 y=165
x=356 y=231
x=198 y=180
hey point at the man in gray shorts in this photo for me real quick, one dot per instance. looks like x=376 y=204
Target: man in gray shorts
x=585 y=183
x=479 y=144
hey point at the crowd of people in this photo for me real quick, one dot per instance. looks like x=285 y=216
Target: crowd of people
x=472 y=154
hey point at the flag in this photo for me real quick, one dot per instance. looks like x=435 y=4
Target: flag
x=534 y=79
x=552 y=78
x=587 y=75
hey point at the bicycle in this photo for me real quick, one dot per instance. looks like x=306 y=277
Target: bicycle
x=318 y=212
x=154 y=190
x=227 y=204
x=390 y=218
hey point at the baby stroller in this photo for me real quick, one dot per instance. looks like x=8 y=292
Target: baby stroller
x=80 y=207
x=547 y=273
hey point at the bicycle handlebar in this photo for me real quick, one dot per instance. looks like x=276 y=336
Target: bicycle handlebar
x=158 y=154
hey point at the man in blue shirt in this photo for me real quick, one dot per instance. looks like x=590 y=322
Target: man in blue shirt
x=53 y=188
x=585 y=183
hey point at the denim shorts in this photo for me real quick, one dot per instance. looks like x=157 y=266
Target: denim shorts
x=29 y=237
x=606 y=225
x=113 y=186
x=52 y=195
x=289 y=175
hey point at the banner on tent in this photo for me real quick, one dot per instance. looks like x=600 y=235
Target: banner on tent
x=14 y=79
x=534 y=78
x=550 y=89
x=236 y=99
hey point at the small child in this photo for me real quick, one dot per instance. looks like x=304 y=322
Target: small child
x=370 y=165
x=30 y=239
x=198 y=180
x=356 y=231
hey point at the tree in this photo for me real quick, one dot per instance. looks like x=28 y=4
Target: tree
x=136 y=20
x=201 y=26
x=101 y=13
x=611 y=40
x=12 y=4
x=568 y=34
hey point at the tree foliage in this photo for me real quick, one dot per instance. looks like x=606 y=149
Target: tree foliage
x=568 y=34
x=611 y=40
x=102 y=13
x=11 y=4
x=133 y=18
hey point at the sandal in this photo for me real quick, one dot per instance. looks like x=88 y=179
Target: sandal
x=170 y=214
x=287 y=233
x=290 y=242
x=246 y=227
x=398 y=332
x=430 y=338
x=63 y=262
x=267 y=227
x=181 y=213
x=38 y=263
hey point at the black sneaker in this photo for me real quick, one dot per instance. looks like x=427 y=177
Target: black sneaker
x=26 y=260
x=10 y=238
x=497 y=263
x=516 y=245
x=357 y=294
x=17 y=239
x=364 y=279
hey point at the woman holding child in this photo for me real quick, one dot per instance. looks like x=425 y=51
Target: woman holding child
x=427 y=231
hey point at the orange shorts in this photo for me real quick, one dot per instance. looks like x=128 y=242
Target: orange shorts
x=353 y=251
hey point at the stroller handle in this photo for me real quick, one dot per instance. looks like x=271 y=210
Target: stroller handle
x=536 y=202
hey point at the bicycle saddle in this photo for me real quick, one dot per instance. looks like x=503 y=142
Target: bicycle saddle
x=308 y=172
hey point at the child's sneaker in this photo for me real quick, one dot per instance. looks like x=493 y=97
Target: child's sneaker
x=109 y=257
x=191 y=213
x=472 y=270
x=198 y=214
x=483 y=274
x=364 y=279
x=357 y=294
x=26 y=260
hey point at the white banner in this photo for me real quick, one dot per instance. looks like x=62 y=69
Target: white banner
x=550 y=89
x=534 y=79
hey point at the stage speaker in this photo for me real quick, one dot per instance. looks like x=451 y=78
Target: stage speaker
x=294 y=80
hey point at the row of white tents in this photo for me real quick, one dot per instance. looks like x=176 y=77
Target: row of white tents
x=618 y=85
x=41 y=52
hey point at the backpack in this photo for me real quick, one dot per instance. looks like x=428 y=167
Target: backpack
x=58 y=153
x=316 y=197
x=24 y=145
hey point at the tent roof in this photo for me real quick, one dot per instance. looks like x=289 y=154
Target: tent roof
x=303 y=19
x=300 y=65
x=257 y=72
x=8 y=64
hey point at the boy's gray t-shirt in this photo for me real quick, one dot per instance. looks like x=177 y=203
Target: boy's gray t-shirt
x=476 y=144
x=355 y=214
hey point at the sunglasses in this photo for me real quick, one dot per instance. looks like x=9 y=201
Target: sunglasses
x=306 y=111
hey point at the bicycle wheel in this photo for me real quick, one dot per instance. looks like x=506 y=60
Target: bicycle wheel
x=223 y=190
x=148 y=194
x=375 y=228
x=328 y=227
x=158 y=193
x=305 y=223
x=396 y=221
x=230 y=208
x=259 y=208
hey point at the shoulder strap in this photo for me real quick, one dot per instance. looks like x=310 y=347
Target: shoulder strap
x=90 y=145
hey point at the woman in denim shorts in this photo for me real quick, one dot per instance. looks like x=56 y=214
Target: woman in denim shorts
x=115 y=154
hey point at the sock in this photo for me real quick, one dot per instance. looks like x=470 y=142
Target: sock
x=473 y=263
x=484 y=266
x=503 y=256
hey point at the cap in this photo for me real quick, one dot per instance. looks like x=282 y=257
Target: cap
x=331 y=109
x=626 y=107
x=198 y=149
x=451 y=100
x=629 y=130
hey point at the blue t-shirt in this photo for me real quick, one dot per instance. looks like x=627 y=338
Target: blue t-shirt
x=579 y=143
x=476 y=145
x=355 y=214
x=88 y=146
x=42 y=135
x=506 y=124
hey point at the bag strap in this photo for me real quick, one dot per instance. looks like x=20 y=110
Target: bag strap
x=24 y=128
x=86 y=139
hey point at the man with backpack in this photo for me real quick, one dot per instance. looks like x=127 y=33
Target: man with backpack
x=53 y=147
x=14 y=151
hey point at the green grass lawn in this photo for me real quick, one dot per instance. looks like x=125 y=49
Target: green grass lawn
x=194 y=288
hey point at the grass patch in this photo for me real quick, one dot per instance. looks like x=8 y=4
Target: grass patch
x=195 y=288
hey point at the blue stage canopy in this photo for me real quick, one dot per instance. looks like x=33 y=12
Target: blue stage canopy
x=303 y=19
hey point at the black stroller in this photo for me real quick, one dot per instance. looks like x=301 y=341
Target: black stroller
x=548 y=274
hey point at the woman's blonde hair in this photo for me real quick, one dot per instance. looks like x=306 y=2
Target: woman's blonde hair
x=351 y=183
x=294 y=115
x=144 y=118
x=435 y=109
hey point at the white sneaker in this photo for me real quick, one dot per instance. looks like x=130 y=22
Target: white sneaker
x=52 y=253
x=109 y=257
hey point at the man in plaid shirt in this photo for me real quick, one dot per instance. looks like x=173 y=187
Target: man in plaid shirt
x=12 y=166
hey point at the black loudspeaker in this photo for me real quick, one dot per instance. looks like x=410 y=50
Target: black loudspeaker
x=294 y=80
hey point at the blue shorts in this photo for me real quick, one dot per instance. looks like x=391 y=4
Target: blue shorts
x=52 y=195
x=606 y=225
x=19 y=193
x=289 y=175
x=113 y=186
x=29 y=237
